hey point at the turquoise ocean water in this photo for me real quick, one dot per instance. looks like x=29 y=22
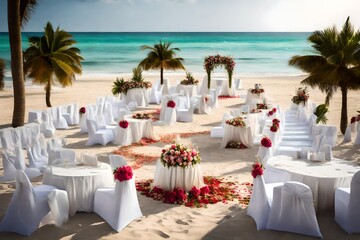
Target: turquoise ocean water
x=256 y=54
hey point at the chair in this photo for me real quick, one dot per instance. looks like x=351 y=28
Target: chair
x=164 y=100
x=117 y=161
x=6 y=138
x=46 y=126
x=214 y=98
x=156 y=93
x=98 y=136
x=219 y=130
x=40 y=164
x=118 y=206
x=264 y=154
x=58 y=120
x=72 y=114
x=8 y=168
x=260 y=201
x=28 y=206
x=89 y=160
x=357 y=140
x=170 y=116
x=185 y=115
x=293 y=210
x=347 y=211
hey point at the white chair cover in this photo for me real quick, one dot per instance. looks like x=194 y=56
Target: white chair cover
x=264 y=154
x=293 y=210
x=58 y=120
x=237 y=83
x=41 y=164
x=261 y=200
x=123 y=136
x=101 y=136
x=156 y=93
x=166 y=87
x=27 y=206
x=357 y=140
x=8 y=168
x=204 y=106
x=214 y=98
x=46 y=126
x=7 y=141
x=185 y=115
x=165 y=99
x=170 y=116
x=90 y=160
x=117 y=161
x=347 y=211
x=347 y=135
x=59 y=206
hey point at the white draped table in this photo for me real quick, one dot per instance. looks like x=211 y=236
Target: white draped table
x=242 y=134
x=252 y=98
x=191 y=90
x=80 y=183
x=169 y=178
x=139 y=95
x=322 y=178
x=218 y=81
x=140 y=128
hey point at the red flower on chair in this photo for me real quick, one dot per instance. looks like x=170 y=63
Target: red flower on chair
x=257 y=170
x=123 y=173
x=171 y=104
x=266 y=142
x=124 y=124
x=82 y=110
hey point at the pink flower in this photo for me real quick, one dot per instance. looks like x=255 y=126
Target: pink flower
x=173 y=146
x=205 y=190
x=189 y=158
x=193 y=153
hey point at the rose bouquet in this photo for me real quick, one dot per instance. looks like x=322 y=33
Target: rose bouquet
x=235 y=144
x=179 y=155
x=236 y=122
x=257 y=91
x=171 y=104
x=266 y=142
x=257 y=170
x=124 y=124
x=123 y=173
x=82 y=110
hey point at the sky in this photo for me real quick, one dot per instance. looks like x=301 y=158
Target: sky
x=189 y=15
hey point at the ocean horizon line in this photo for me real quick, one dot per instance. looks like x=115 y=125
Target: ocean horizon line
x=245 y=32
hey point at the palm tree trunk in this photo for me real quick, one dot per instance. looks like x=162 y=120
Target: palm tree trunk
x=16 y=62
x=48 y=91
x=161 y=76
x=344 y=116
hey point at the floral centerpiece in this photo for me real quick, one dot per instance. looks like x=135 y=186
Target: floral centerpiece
x=261 y=106
x=141 y=116
x=179 y=155
x=266 y=142
x=211 y=62
x=189 y=80
x=257 y=91
x=123 y=173
x=302 y=95
x=82 y=110
x=236 y=122
x=137 y=81
x=258 y=170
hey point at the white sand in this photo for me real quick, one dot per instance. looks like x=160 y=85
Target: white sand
x=219 y=221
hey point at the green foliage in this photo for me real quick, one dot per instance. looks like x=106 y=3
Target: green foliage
x=52 y=57
x=2 y=74
x=137 y=74
x=161 y=56
x=119 y=86
x=189 y=80
x=122 y=86
x=335 y=64
x=320 y=113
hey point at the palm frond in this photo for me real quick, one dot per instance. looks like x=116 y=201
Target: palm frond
x=26 y=8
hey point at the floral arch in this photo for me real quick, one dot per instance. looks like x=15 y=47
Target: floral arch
x=211 y=62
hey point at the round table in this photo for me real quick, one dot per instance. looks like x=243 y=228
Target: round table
x=80 y=183
x=322 y=177
x=169 y=178
x=242 y=134
x=140 y=128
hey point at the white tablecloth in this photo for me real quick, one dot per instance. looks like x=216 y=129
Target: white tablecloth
x=218 y=81
x=322 y=178
x=140 y=128
x=80 y=182
x=242 y=134
x=169 y=178
x=252 y=119
x=139 y=95
x=252 y=99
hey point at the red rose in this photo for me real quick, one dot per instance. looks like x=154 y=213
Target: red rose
x=204 y=190
x=171 y=104
x=123 y=173
x=270 y=113
x=82 y=110
x=157 y=190
x=257 y=170
x=124 y=124
x=274 y=128
x=195 y=192
x=180 y=194
x=274 y=110
x=276 y=121
x=266 y=142
x=170 y=197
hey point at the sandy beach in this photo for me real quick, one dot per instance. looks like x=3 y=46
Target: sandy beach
x=161 y=221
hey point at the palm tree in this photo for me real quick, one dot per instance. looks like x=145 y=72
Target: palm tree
x=52 y=57
x=161 y=56
x=336 y=64
x=18 y=14
x=2 y=73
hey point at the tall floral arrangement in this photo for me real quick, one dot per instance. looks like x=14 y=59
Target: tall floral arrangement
x=179 y=155
x=211 y=62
